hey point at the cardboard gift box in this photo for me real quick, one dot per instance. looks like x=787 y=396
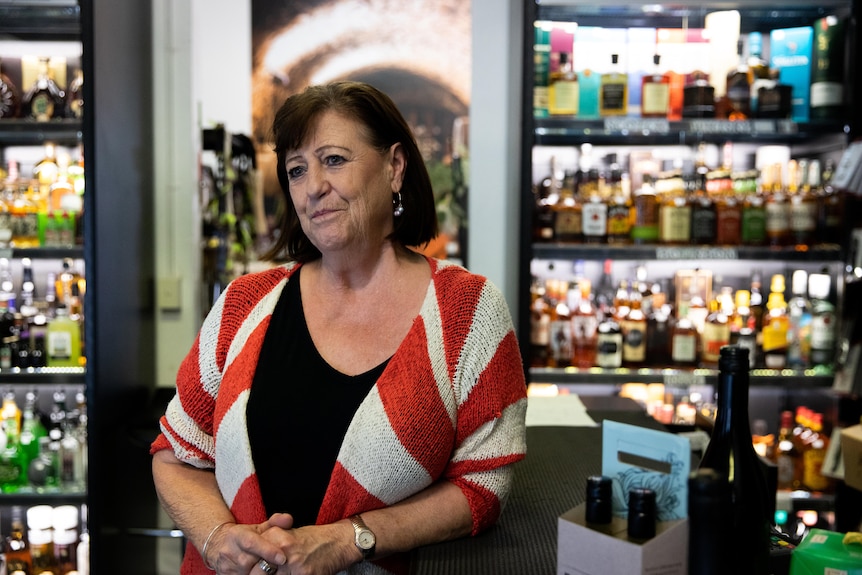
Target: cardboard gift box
x=584 y=549
x=851 y=451
x=823 y=552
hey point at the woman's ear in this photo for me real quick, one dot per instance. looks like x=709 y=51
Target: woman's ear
x=397 y=165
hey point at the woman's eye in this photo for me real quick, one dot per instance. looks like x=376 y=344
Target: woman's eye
x=334 y=160
x=295 y=172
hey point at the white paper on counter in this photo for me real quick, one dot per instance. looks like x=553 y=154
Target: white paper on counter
x=558 y=411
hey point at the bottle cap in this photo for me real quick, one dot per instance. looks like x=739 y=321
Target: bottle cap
x=599 y=499
x=818 y=286
x=799 y=283
x=65 y=517
x=777 y=283
x=642 y=513
x=733 y=358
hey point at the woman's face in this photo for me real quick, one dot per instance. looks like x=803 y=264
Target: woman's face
x=341 y=187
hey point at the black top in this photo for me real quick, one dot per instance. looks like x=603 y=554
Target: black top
x=298 y=411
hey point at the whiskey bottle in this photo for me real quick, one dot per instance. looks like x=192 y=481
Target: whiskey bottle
x=823 y=321
x=799 y=327
x=683 y=343
x=563 y=91
x=703 y=218
x=595 y=220
x=698 y=97
x=620 y=220
x=803 y=207
x=614 y=90
x=739 y=90
x=830 y=204
x=10 y=98
x=758 y=68
x=786 y=454
x=44 y=100
x=716 y=332
x=775 y=326
x=75 y=96
x=546 y=197
x=645 y=208
x=655 y=92
x=634 y=327
x=753 y=223
x=658 y=331
x=728 y=219
x=18 y=559
x=561 y=328
x=585 y=324
x=540 y=325
x=568 y=213
x=827 y=69
x=609 y=344
x=40 y=537
x=777 y=207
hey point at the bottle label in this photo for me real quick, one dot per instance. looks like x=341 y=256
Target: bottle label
x=823 y=331
x=619 y=221
x=675 y=223
x=777 y=217
x=59 y=345
x=584 y=327
x=634 y=341
x=609 y=350
x=656 y=98
x=774 y=335
x=595 y=219
x=703 y=224
x=684 y=348
x=728 y=226
x=827 y=94
x=563 y=97
x=715 y=336
x=753 y=225
x=613 y=96
x=803 y=216
x=568 y=225
x=561 y=342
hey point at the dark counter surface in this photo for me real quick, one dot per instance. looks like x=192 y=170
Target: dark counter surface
x=548 y=482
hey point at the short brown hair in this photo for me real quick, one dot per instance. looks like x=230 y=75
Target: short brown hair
x=384 y=126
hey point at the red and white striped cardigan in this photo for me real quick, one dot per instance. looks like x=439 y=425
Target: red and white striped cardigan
x=450 y=405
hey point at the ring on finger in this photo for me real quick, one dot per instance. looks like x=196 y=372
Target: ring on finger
x=267 y=567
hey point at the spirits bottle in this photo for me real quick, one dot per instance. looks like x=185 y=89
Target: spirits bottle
x=609 y=344
x=786 y=454
x=24 y=216
x=698 y=97
x=41 y=538
x=595 y=220
x=10 y=98
x=710 y=528
x=634 y=333
x=605 y=290
x=827 y=69
x=18 y=559
x=547 y=196
x=63 y=340
x=585 y=323
x=777 y=207
x=614 y=90
x=568 y=213
x=799 y=315
x=75 y=96
x=758 y=69
x=716 y=333
x=589 y=84
x=563 y=90
x=741 y=316
x=803 y=209
x=823 y=321
x=655 y=92
x=775 y=326
x=645 y=207
x=830 y=204
x=561 y=329
x=44 y=100
x=540 y=325
x=738 y=90
x=65 y=538
x=12 y=473
x=703 y=218
x=620 y=219
x=753 y=225
x=730 y=452
x=658 y=332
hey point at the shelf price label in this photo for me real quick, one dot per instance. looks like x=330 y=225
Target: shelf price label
x=696 y=253
x=741 y=127
x=683 y=379
x=637 y=126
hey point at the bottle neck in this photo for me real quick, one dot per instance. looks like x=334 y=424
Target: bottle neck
x=732 y=412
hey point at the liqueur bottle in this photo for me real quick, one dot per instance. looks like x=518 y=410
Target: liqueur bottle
x=655 y=92
x=614 y=90
x=44 y=100
x=731 y=453
x=563 y=91
x=585 y=324
x=827 y=69
x=823 y=321
x=10 y=98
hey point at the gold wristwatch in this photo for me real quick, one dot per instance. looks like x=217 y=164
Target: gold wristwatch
x=364 y=538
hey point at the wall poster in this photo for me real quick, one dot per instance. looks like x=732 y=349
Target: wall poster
x=417 y=52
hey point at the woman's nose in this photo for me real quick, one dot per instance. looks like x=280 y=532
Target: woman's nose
x=318 y=183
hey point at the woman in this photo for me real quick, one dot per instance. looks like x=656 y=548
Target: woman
x=359 y=400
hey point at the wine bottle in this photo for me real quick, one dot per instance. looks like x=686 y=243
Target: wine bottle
x=730 y=452
x=710 y=533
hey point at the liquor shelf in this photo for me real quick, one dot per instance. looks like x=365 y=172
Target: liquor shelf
x=797 y=379
x=43 y=375
x=53 y=498
x=46 y=253
x=559 y=250
x=45 y=20
x=23 y=132
x=563 y=131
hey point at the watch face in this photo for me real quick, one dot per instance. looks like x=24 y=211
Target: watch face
x=365 y=539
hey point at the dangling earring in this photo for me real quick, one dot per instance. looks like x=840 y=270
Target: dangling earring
x=399 y=207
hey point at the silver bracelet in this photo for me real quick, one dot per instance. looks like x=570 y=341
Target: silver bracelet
x=207 y=542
